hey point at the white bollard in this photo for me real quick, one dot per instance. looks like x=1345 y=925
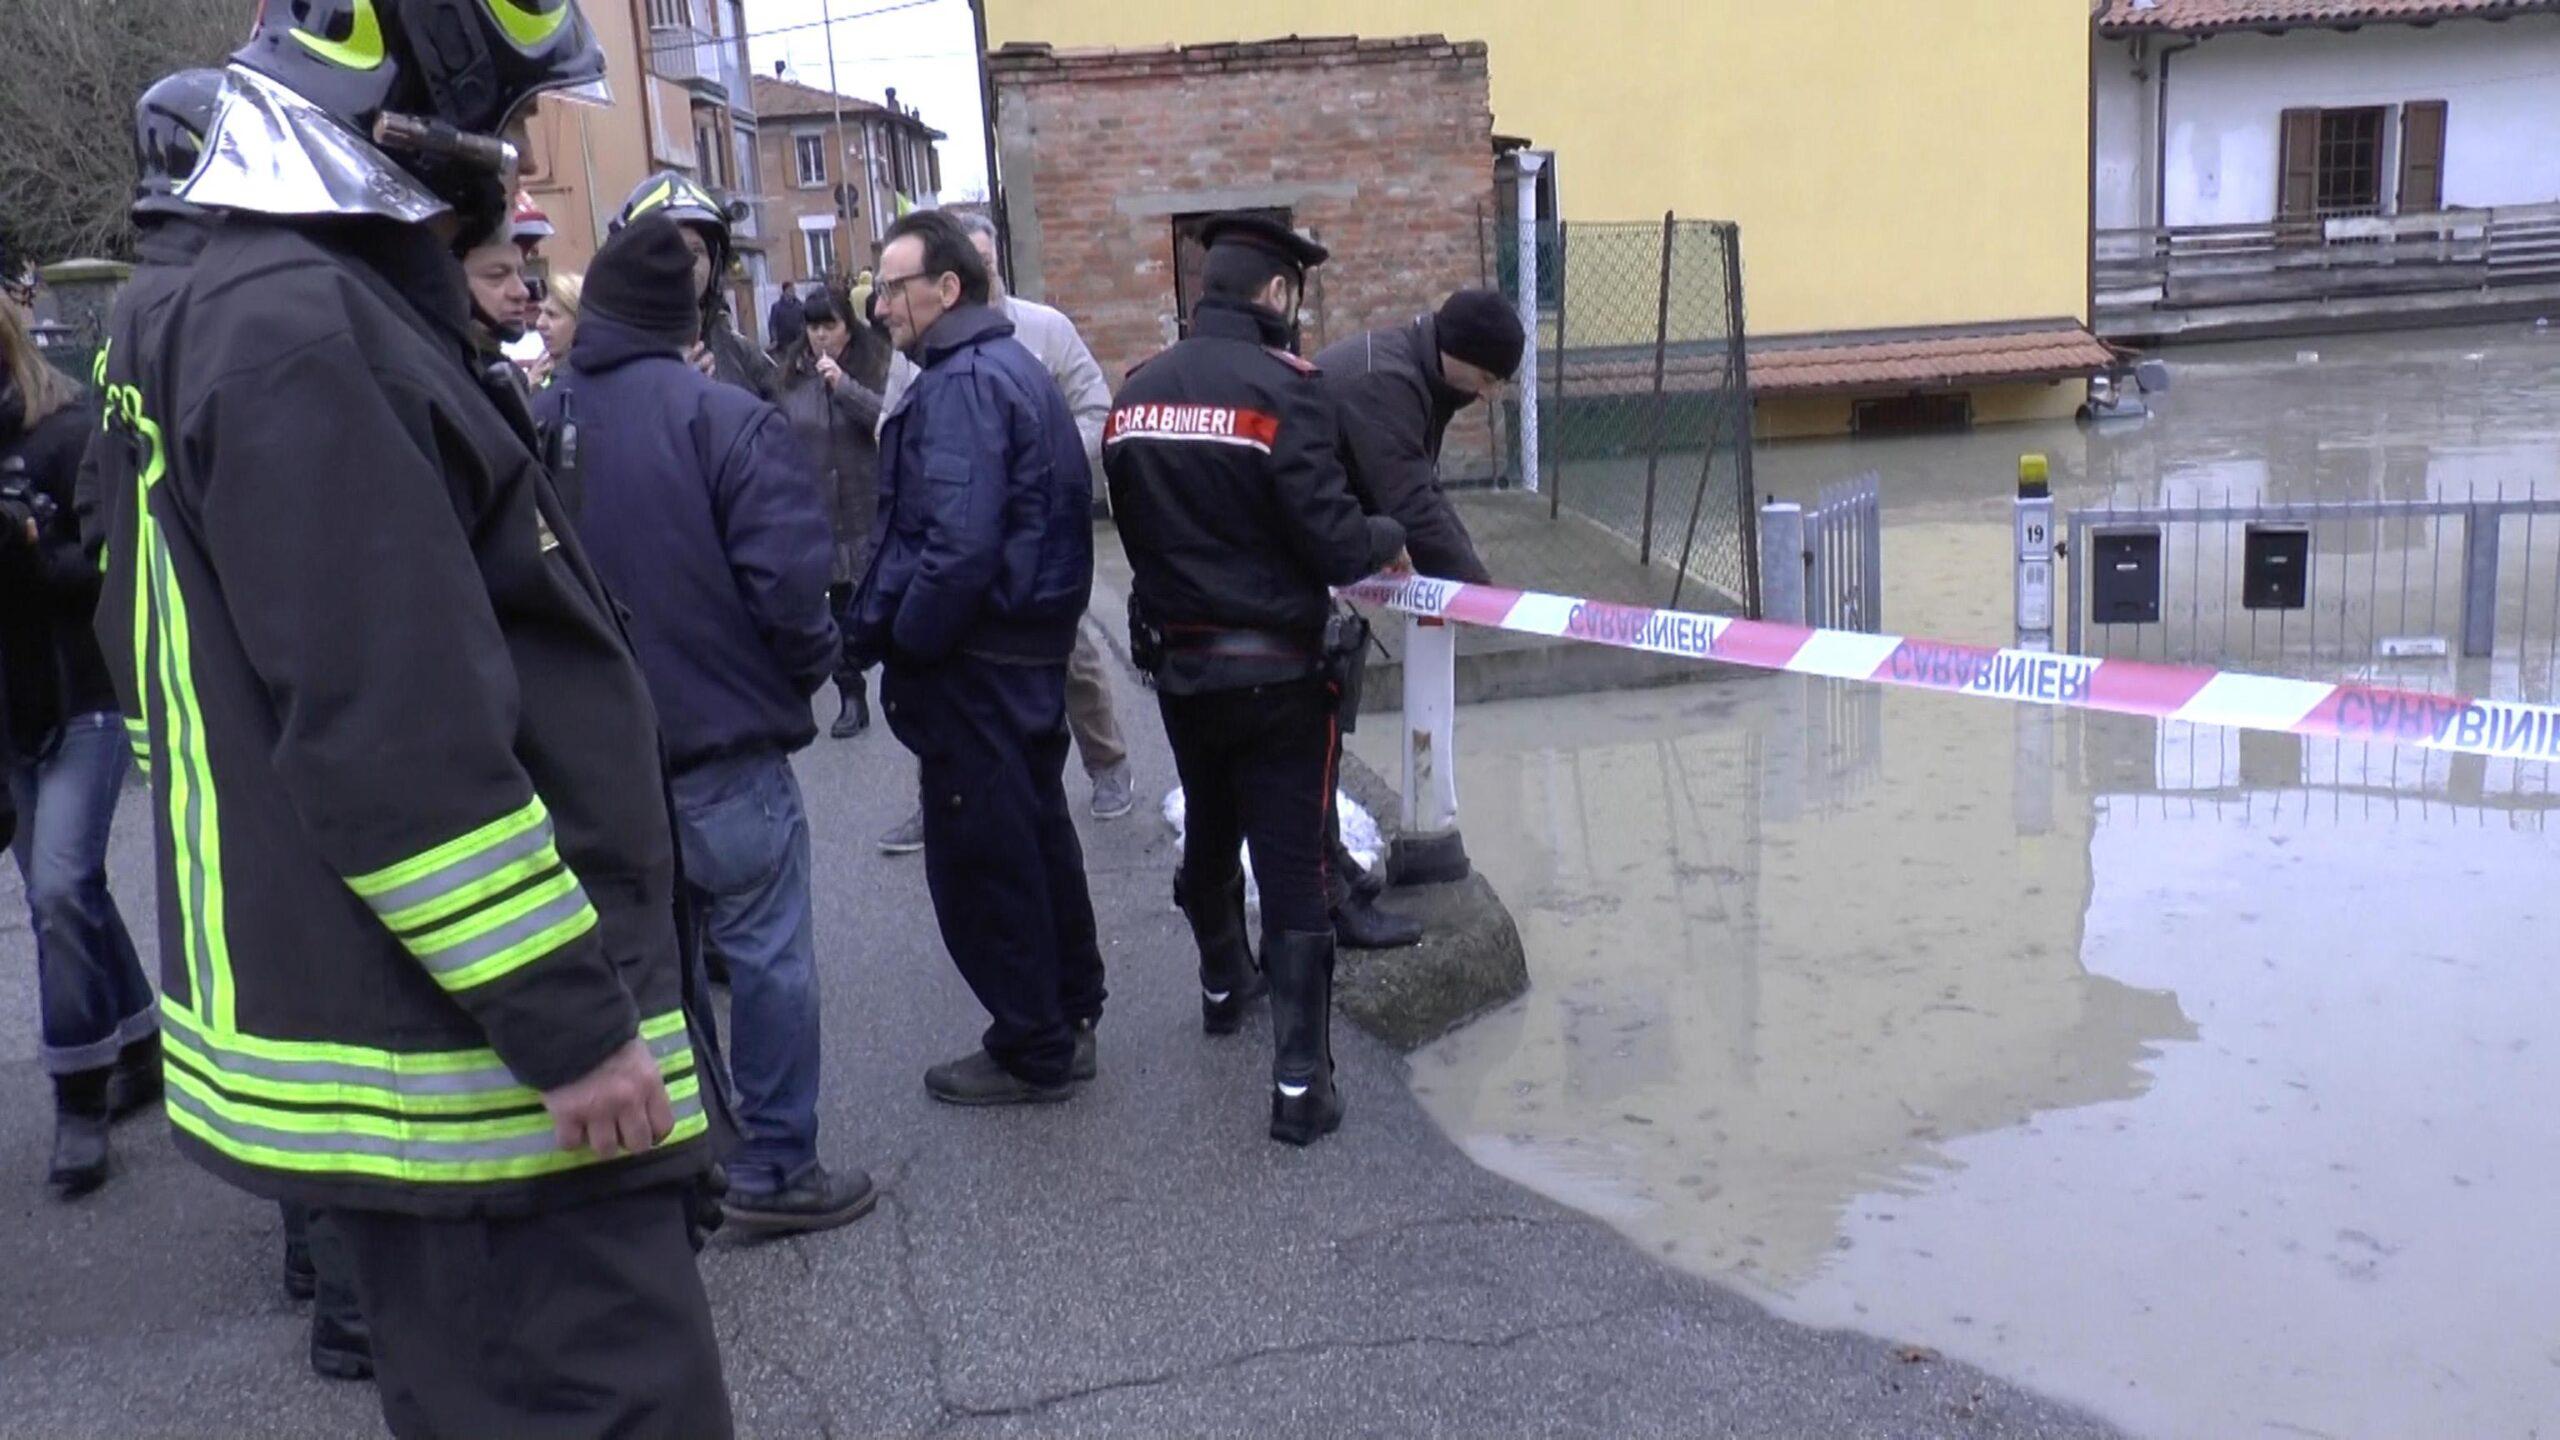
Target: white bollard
x=1429 y=851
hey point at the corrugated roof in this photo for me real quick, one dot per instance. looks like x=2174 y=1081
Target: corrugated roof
x=1928 y=362
x=2193 y=17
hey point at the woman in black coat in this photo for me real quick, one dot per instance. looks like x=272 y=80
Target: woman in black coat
x=65 y=745
x=829 y=386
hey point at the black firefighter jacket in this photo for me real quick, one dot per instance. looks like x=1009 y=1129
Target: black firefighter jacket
x=413 y=854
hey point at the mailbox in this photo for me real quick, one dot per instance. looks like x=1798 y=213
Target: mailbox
x=2275 y=568
x=2124 y=577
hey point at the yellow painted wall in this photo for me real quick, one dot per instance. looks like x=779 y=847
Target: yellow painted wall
x=1892 y=162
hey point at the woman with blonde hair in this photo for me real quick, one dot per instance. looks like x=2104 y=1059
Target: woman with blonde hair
x=557 y=323
x=64 y=747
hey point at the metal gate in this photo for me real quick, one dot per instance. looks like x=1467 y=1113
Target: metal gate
x=1825 y=566
x=2325 y=586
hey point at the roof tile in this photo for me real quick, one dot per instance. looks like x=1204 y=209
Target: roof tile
x=2119 y=17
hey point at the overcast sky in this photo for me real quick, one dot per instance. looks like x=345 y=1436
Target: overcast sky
x=926 y=48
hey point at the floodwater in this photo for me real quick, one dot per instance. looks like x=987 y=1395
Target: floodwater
x=2205 y=1079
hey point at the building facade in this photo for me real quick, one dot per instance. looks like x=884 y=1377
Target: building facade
x=681 y=101
x=1113 y=159
x=838 y=172
x=1910 y=180
x=2282 y=165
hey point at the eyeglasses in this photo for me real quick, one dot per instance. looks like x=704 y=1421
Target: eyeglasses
x=901 y=282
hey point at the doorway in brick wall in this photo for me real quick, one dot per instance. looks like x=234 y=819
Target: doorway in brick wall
x=1190 y=257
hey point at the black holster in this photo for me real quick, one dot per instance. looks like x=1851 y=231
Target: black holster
x=1346 y=662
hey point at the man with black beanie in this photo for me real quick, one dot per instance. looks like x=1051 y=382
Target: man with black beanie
x=705 y=519
x=1398 y=389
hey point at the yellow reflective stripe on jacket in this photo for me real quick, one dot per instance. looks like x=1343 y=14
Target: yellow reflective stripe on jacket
x=428 y=1152
x=444 y=1083
x=485 y=904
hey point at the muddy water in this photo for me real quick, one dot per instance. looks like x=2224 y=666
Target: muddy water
x=2204 y=1079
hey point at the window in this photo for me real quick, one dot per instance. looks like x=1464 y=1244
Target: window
x=1189 y=256
x=2332 y=163
x=1911 y=414
x=818 y=247
x=811 y=152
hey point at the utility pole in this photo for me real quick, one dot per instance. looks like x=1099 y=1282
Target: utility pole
x=839 y=186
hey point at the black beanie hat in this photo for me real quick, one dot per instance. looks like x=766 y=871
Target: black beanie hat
x=643 y=278
x=1481 y=328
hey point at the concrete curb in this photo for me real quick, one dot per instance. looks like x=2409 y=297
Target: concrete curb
x=1470 y=960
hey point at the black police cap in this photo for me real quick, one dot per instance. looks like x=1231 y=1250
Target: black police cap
x=1263 y=233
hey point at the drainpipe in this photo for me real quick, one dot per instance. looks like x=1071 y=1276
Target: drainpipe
x=2160 y=136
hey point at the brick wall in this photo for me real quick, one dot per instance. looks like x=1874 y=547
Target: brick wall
x=1382 y=149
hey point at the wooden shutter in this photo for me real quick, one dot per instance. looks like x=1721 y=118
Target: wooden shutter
x=2298 y=173
x=2421 y=156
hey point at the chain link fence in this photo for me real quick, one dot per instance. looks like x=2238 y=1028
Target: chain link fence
x=1644 y=433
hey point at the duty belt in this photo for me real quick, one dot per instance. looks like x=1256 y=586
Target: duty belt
x=1224 y=644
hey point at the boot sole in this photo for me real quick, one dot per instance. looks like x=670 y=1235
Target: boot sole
x=796 y=1222
x=71 y=1185
x=1037 y=1095
x=341 y=1365
x=1302 y=1132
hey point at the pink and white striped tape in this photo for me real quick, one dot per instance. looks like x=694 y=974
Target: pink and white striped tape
x=2499 y=729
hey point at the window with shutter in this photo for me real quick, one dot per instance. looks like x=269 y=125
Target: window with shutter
x=2422 y=124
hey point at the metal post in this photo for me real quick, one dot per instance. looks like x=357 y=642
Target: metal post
x=2480 y=582
x=1782 y=562
x=1429 y=851
x=1530 y=162
x=1529 y=357
x=2033 y=511
x=1661 y=347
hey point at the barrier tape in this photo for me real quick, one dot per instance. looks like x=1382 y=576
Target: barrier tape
x=2498 y=729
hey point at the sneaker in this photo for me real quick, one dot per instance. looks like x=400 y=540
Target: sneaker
x=853 y=716
x=1115 y=793
x=976 y=1079
x=1088 y=1061
x=341 y=1345
x=907 y=839
x=816 y=1200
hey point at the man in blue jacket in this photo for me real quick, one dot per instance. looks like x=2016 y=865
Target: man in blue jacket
x=983 y=564
x=705 y=521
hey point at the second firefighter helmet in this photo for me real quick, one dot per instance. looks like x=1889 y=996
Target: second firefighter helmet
x=170 y=123
x=689 y=203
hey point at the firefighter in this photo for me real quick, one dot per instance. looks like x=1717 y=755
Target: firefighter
x=722 y=353
x=1237 y=514
x=421 y=966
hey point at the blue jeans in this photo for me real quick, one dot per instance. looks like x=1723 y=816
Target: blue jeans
x=746 y=855
x=96 y=999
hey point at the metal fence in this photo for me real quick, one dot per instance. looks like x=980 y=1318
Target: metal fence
x=2414 y=587
x=1844 y=557
x=1644 y=428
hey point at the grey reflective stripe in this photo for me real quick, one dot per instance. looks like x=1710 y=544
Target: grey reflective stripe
x=566 y=906
x=490 y=1079
x=477 y=868
x=412 y=1150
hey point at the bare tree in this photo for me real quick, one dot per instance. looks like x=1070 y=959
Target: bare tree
x=70 y=71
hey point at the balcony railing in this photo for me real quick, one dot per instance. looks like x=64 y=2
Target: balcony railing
x=2327 y=257
x=696 y=57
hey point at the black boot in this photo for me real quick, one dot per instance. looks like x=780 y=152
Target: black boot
x=136 y=1083
x=1229 y=980
x=1357 y=922
x=1304 y=1102
x=300 y=1280
x=853 y=709
x=1365 y=884
x=79 y=1132
x=341 y=1341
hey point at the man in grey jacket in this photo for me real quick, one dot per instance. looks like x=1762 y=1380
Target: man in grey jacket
x=1052 y=337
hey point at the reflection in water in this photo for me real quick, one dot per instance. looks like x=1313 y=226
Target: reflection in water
x=2194 y=1078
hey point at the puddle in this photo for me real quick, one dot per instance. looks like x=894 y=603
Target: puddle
x=2201 y=1078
